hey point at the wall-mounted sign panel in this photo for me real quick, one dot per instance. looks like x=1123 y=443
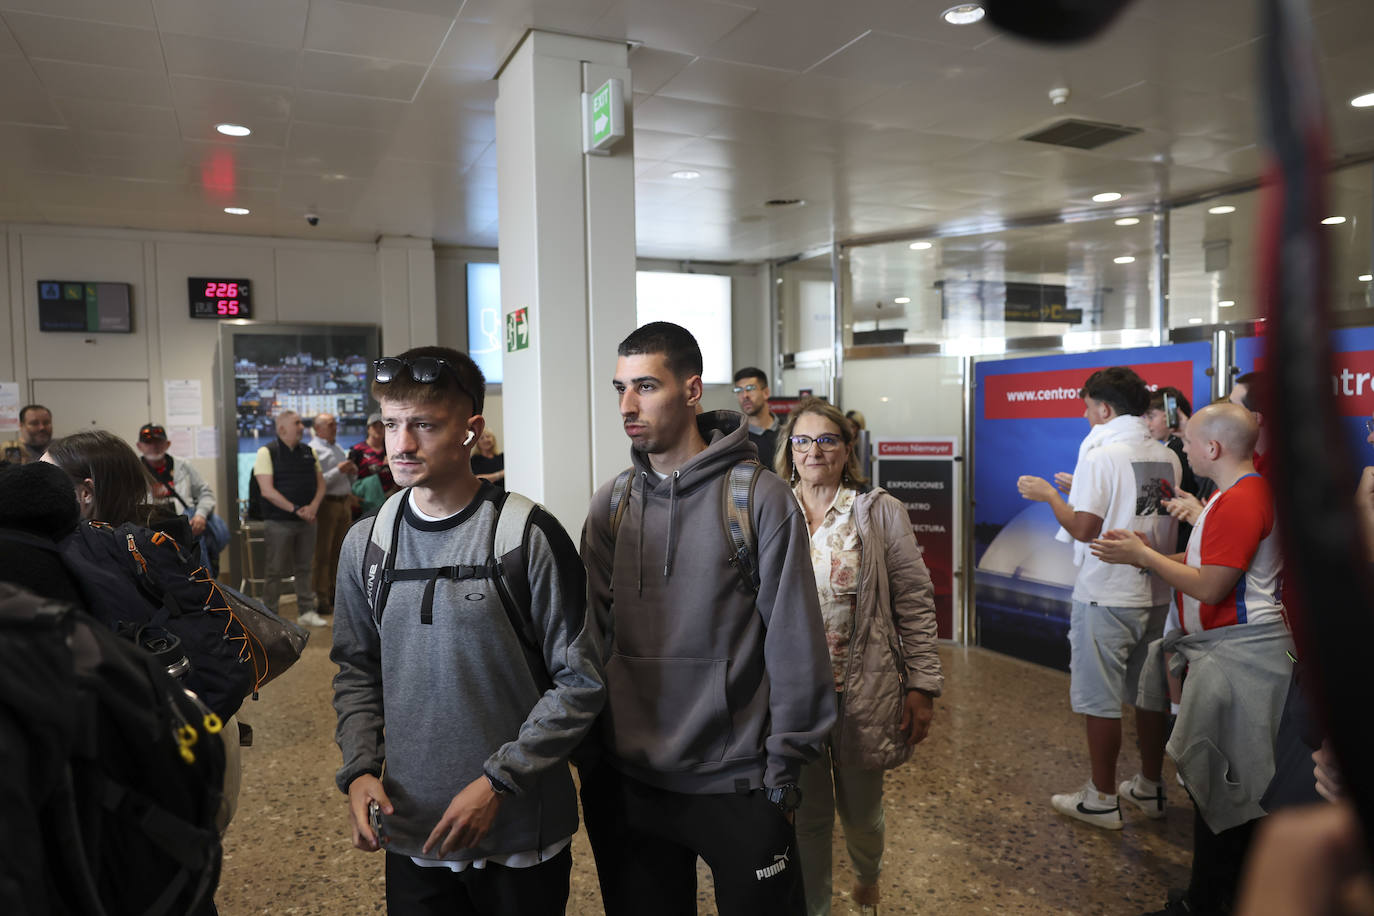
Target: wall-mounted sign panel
x=77 y=306
x=219 y=300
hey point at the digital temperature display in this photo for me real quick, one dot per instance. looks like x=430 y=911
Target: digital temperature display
x=220 y=299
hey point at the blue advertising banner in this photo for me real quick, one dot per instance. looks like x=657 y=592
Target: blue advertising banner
x=1352 y=381
x=1028 y=419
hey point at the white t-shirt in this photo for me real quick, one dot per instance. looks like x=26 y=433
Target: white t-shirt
x=1122 y=483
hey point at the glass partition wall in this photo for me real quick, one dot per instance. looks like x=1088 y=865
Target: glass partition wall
x=914 y=315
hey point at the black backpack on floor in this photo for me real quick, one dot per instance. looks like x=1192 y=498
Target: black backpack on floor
x=115 y=772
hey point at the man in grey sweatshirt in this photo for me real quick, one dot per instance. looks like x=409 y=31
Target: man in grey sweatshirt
x=716 y=694
x=458 y=700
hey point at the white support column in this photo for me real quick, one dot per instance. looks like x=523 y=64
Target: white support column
x=405 y=272
x=567 y=249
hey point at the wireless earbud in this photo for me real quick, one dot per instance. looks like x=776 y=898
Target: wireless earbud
x=472 y=434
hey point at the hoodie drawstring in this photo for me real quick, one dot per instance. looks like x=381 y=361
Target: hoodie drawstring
x=672 y=526
x=639 y=548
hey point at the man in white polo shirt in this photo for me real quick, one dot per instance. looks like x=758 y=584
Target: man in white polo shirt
x=1121 y=477
x=1231 y=634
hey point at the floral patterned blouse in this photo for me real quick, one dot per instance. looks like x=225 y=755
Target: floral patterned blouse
x=835 y=552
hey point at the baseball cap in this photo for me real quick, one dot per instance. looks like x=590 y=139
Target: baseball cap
x=152 y=432
x=374 y=418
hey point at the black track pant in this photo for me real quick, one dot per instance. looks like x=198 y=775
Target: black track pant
x=540 y=890
x=646 y=842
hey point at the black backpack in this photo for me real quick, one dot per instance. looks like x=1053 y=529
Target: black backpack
x=134 y=575
x=115 y=772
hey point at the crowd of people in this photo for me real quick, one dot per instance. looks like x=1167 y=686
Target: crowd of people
x=741 y=645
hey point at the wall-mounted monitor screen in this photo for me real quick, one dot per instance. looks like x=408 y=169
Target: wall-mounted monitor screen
x=486 y=334
x=219 y=299
x=81 y=307
x=700 y=303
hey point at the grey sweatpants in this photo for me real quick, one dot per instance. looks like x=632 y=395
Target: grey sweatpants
x=290 y=547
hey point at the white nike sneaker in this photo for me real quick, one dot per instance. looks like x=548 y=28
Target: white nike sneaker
x=311 y=619
x=1137 y=792
x=1090 y=806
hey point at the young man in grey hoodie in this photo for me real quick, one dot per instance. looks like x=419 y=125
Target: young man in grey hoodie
x=716 y=694
x=457 y=710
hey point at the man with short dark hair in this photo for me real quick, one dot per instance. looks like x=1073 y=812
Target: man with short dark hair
x=1121 y=478
x=35 y=432
x=718 y=687
x=460 y=696
x=751 y=387
x=292 y=487
x=1251 y=391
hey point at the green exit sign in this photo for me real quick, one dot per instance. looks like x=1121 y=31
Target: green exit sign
x=603 y=117
x=518 y=330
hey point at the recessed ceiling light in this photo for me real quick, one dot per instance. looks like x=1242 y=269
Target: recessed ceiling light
x=919 y=246
x=1221 y=210
x=1128 y=221
x=1365 y=278
x=686 y=174
x=1333 y=220
x=1363 y=101
x=237 y=211
x=902 y=300
x=1195 y=321
x=1226 y=303
x=963 y=14
x=1124 y=259
x=1106 y=197
x=233 y=130
x=883 y=399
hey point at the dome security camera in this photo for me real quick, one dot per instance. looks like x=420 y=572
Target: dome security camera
x=313 y=219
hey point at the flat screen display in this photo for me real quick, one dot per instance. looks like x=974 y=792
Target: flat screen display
x=84 y=308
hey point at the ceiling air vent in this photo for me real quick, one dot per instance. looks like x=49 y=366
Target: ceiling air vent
x=1081 y=134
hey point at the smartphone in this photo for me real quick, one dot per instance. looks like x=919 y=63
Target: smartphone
x=374 y=820
x=1171 y=410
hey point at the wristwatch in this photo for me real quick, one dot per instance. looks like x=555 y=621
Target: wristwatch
x=788 y=798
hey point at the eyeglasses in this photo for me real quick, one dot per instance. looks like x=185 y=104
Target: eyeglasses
x=152 y=434
x=738 y=388
x=827 y=443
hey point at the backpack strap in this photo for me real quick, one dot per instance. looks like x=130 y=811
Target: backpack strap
x=510 y=553
x=737 y=519
x=619 y=491
x=380 y=556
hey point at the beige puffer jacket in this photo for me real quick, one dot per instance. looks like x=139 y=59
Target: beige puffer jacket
x=892 y=648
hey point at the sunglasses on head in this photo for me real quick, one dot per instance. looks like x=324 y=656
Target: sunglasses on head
x=423 y=369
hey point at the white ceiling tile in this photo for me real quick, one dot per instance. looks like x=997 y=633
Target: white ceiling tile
x=720 y=82
x=891 y=60
x=348 y=110
x=576 y=17
x=138 y=169
x=8 y=46
x=368 y=76
x=687 y=26
x=227 y=157
x=816 y=96
x=40 y=148
x=50 y=38
x=307 y=191
x=133 y=87
x=448 y=8
x=651 y=145
x=445 y=87
x=789 y=39
x=268 y=22
x=214 y=58
x=216 y=101
x=24 y=99
x=164 y=151
x=478 y=46
x=683 y=116
x=434 y=140
x=650 y=69
x=326 y=148
x=138 y=13
x=91 y=114
x=233 y=180
x=200 y=124
x=371 y=31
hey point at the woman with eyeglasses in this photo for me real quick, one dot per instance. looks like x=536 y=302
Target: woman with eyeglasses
x=879 y=612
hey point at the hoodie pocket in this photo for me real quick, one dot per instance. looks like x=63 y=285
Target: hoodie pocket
x=668 y=714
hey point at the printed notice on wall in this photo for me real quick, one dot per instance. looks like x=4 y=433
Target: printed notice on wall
x=207 y=442
x=184 y=407
x=9 y=407
x=181 y=440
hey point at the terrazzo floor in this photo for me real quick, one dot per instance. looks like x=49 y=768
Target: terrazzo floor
x=969 y=827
